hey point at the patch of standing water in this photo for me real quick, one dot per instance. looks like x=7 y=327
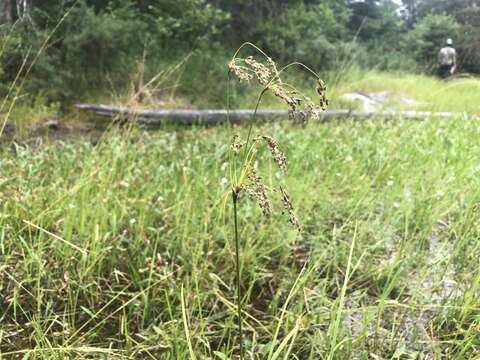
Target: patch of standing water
x=409 y=323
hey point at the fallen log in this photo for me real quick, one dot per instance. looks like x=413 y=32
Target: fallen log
x=210 y=117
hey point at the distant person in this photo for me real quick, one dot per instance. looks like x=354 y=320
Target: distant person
x=447 y=60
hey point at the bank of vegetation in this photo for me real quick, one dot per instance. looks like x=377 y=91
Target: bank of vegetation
x=97 y=49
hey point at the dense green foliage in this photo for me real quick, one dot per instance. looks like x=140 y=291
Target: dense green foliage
x=98 y=44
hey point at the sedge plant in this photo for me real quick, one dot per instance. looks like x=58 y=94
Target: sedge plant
x=244 y=177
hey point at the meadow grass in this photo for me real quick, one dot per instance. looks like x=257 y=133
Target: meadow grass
x=459 y=94
x=124 y=250
x=431 y=94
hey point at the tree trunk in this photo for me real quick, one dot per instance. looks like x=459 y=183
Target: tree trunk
x=210 y=117
x=23 y=9
x=6 y=11
x=411 y=6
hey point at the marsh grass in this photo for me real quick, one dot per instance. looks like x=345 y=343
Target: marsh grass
x=146 y=226
x=431 y=94
x=457 y=95
x=121 y=250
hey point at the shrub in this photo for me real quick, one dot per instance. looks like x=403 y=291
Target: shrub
x=307 y=33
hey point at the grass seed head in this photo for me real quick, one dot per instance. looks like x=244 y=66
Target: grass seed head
x=262 y=72
x=301 y=107
x=237 y=144
x=322 y=93
x=241 y=72
x=276 y=152
x=288 y=206
x=257 y=189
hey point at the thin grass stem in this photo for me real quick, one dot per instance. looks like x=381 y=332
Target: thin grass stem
x=237 y=260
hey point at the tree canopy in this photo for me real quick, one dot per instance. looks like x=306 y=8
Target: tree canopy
x=96 y=37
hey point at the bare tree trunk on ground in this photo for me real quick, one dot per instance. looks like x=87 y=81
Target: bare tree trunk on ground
x=217 y=116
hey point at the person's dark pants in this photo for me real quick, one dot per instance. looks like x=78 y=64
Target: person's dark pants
x=444 y=71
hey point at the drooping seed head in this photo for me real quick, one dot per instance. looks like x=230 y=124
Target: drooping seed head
x=256 y=189
x=277 y=154
x=322 y=93
x=288 y=206
x=241 y=72
x=262 y=72
x=237 y=144
x=301 y=107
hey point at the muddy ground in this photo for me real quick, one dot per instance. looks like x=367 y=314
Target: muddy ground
x=53 y=130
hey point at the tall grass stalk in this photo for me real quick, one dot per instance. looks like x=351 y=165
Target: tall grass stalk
x=185 y=325
x=238 y=270
x=341 y=300
x=269 y=77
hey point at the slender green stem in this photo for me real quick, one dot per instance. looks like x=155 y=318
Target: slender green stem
x=237 y=260
x=250 y=128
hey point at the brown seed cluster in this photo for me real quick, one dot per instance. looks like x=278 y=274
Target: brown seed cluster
x=256 y=189
x=241 y=72
x=322 y=93
x=262 y=72
x=277 y=153
x=255 y=186
x=237 y=144
x=288 y=206
x=300 y=106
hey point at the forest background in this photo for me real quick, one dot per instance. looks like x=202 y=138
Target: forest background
x=96 y=46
